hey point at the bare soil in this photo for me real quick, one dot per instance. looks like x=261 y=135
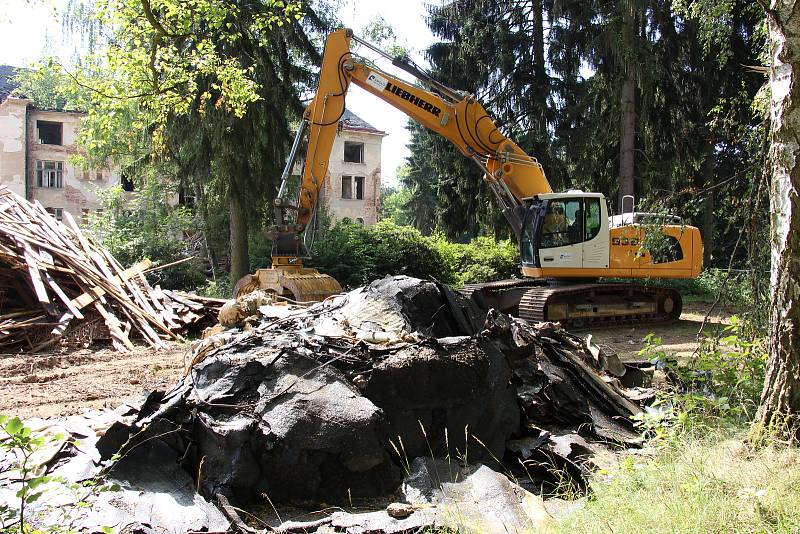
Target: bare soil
x=56 y=384
x=679 y=338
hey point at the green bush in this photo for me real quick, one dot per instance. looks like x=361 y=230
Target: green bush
x=148 y=228
x=355 y=255
x=483 y=259
x=221 y=288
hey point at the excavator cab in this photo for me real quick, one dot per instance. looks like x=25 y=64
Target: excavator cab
x=565 y=231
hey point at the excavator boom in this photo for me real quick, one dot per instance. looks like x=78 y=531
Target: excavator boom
x=460 y=118
x=568 y=237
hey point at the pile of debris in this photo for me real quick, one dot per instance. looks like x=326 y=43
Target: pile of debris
x=59 y=286
x=399 y=397
x=339 y=400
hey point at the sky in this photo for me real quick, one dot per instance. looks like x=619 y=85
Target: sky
x=30 y=29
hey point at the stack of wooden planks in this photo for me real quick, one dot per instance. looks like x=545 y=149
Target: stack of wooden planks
x=58 y=286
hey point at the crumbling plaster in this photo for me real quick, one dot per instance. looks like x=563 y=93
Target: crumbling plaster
x=77 y=193
x=12 y=146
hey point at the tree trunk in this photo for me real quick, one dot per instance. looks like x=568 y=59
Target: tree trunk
x=538 y=46
x=709 y=203
x=627 y=143
x=780 y=399
x=240 y=259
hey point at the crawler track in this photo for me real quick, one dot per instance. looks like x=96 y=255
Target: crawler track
x=579 y=305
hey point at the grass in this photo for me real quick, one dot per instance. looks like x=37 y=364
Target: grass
x=713 y=482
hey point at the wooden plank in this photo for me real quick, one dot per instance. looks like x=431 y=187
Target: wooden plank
x=64 y=298
x=36 y=280
x=63 y=324
x=87 y=298
x=118 y=337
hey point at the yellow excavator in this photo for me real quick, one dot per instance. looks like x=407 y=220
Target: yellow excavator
x=567 y=240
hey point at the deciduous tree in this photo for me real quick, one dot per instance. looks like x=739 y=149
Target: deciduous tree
x=779 y=413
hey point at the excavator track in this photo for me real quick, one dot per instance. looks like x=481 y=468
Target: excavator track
x=579 y=305
x=600 y=304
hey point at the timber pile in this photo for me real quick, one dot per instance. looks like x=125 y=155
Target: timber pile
x=59 y=286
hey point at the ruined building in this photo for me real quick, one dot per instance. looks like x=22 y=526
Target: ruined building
x=353 y=187
x=35 y=148
x=36 y=145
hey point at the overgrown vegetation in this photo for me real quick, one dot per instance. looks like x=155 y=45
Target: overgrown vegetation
x=708 y=482
x=146 y=226
x=25 y=452
x=355 y=255
x=697 y=472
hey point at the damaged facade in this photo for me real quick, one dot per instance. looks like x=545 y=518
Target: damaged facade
x=353 y=186
x=35 y=148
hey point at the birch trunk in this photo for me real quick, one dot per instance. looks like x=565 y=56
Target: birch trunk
x=780 y=399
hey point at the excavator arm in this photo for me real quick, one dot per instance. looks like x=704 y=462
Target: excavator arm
x=566 y=236
x=510 y=173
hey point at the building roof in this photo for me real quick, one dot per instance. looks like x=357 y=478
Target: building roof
x=7 y=84
x=351 y=121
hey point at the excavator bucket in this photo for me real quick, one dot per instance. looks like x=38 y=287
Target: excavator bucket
x=299 y=284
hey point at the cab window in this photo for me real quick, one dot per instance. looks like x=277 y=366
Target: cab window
x=528 y=251
x=592 y=226
x=563 y=223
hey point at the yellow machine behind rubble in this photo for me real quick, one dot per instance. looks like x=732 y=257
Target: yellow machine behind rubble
x=567 y=240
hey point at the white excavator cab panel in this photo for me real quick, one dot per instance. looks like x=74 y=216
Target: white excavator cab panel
x=574 y=231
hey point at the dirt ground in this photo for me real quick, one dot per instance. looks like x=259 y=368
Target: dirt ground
x=49 y=385
x=679 y=338
x=54 y=384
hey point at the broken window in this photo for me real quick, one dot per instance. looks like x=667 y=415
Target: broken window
x=347 y=187
x=50 y=174
x=359 y=192
x=84 y=216
x=49 y=132
x=58 y=213
x=126 y=182
x=98 y=175
x=353 y=152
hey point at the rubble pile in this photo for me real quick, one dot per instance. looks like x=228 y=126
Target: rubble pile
x=336 y=401
x=58 y=286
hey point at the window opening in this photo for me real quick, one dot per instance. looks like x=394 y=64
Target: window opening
x=347 y=187
x=359 y=193
x=58 y=213
x=50 y=174
x=50 y=133
x=353 y=152
x=127 y=183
